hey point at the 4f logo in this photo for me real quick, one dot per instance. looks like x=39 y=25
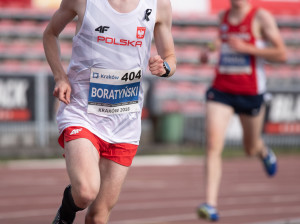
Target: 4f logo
x=102 y=29
x=140 y=33
x=75 y=131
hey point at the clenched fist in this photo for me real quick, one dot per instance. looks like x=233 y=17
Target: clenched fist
x=156 y=66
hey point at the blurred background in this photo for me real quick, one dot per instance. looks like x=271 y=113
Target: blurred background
x=173 y=116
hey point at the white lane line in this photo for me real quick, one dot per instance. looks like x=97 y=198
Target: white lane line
x=161 y=202
x=35 y=201
x=170 y=218
x=261 y=199
x=151 y=160
x=228 y=213
x=35 y=164
x=261 y=211
x=178 y=217
x=27 y=213
x=251 y=200
x=165 y=160
x=281 y=221
x=187 y=203
x=156 y=205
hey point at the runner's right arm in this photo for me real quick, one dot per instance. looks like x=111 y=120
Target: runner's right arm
x=58 y=22
x=211 y=46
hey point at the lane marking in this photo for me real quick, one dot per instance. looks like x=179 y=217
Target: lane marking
x=170 y=218
x=281 y=221
x=227 y=214
x=177 y=217
x=27 y=213
x=162 y=202
x=149 y=160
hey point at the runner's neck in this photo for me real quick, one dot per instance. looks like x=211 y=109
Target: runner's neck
x=238 y=14
x=124 y=6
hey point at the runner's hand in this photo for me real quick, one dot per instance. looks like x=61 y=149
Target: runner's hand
x=238 y=45
x=156 y=66
x=204 y=57
x=62 y=91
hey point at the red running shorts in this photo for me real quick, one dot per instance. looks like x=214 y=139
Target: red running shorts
x=121 y=153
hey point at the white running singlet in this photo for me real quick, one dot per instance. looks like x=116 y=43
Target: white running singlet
x=110 y=55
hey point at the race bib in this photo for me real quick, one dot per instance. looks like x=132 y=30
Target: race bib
x=232 y=63
x=114 y=91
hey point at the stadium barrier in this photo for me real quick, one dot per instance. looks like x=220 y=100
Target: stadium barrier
x=27 y=107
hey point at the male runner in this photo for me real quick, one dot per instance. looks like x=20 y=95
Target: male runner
x=99 y=118
x=239 y=87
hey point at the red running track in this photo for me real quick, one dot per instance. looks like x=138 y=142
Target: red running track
x=166 y=192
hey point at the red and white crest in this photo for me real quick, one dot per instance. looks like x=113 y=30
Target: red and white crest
x=140 y=33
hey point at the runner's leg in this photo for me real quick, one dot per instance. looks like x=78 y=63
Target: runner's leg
x=252 y=128
x=218 y=116
x=82 y=161
x=112 y=179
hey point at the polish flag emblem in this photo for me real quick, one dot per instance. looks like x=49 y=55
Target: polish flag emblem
x=140 y=33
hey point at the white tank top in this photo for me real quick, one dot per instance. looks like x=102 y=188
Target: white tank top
x=110 y=55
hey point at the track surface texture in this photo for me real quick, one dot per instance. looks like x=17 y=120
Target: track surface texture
x=160 y=190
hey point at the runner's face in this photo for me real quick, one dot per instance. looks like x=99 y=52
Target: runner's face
x=238 y=3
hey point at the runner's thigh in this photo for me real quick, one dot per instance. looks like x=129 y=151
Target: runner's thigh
x=112 y=179
x=252 y=128
x=82 y=161
x=218 y=116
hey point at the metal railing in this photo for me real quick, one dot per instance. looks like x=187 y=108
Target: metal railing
x=40 y=130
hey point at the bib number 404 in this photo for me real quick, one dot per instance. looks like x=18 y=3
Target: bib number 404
x=131 y=76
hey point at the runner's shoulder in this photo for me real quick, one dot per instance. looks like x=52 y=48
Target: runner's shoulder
x=263 y=14
x=163 y=5
x=73 y=5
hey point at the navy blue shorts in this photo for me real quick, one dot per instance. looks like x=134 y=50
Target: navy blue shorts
x=242 y=104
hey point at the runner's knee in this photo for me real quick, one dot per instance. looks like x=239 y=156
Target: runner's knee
x=250 y=151
x=253 y=150
x=85 y=194
x=213 y=149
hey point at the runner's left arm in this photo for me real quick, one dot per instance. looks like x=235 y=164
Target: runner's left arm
x=163 y=40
